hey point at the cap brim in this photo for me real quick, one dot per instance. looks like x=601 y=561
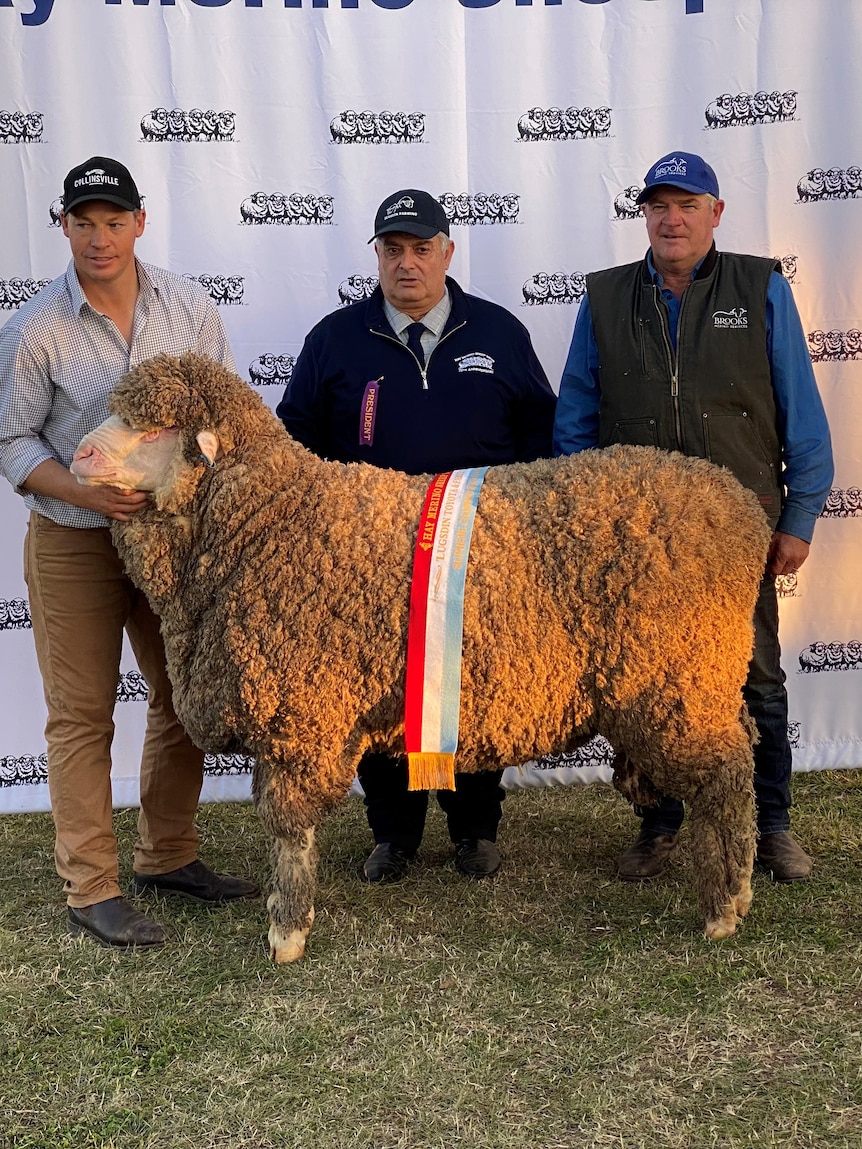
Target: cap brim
x=420 y=230
x=647 y=192
x=123 y=203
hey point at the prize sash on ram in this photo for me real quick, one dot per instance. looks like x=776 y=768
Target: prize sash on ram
x=435 y=631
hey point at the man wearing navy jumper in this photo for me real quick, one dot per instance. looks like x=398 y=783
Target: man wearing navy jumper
x=703 y=352
x=421 y=378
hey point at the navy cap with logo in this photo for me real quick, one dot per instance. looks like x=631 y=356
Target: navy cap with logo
x=413 y=212
x=680 y=170
x=100 y=178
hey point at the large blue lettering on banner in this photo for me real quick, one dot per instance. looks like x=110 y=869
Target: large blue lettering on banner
x=42 y=8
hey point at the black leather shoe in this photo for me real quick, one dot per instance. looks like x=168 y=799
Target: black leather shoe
x=647 y=856
x=116 y=922
x=386 y=863
x=477 y=858
x=198 y=882
x=783 y=857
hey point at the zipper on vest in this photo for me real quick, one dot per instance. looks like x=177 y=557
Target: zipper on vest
x=672 y=360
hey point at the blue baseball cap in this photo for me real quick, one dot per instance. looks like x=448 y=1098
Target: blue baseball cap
x=680 y=170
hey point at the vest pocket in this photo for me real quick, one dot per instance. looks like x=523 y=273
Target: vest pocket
x=633 y=432
x=733 y=442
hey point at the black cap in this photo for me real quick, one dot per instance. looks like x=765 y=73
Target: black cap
x=411 y=211
x=100 y=178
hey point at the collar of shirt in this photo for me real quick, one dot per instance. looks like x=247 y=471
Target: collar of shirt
x=671 y=301
x=433 y=322
x=146 y=287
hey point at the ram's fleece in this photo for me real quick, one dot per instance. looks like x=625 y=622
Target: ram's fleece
x=609 y=592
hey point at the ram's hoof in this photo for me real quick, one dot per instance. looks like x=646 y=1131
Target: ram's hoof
x=288 y=946
x=723 y=927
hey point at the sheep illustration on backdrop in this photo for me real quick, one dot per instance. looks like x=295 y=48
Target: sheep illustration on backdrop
x=609 y=592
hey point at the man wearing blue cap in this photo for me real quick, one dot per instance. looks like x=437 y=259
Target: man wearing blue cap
x=703 y=352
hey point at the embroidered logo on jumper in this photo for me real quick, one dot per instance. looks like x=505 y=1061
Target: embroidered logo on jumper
x=737 y=318
x=475 y=361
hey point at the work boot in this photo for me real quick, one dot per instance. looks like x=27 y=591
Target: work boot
x=782 y=856
x=197 y=882
x=116 y=922
x=647 y=856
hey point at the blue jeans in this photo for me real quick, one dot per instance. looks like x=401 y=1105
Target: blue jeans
x=766 y=698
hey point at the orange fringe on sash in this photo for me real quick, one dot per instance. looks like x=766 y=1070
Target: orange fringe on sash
x=430 y=771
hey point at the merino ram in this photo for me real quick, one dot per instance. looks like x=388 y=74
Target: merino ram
x=608 y=592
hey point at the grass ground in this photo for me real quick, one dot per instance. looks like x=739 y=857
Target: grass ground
x=553 y=1007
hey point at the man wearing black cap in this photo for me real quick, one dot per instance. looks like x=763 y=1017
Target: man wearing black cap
x=703 y=352
x=421 y=378
x=60 y=355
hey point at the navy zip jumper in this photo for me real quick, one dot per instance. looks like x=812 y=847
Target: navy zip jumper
x=481 y=399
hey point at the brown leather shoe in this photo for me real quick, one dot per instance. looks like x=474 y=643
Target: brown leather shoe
x=198 y=882
x=647 y=856
x=116 y=922
x=783 y=857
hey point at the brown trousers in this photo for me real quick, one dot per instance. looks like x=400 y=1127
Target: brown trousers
x=80 y=601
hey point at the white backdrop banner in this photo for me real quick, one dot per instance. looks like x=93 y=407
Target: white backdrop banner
x=264 y=133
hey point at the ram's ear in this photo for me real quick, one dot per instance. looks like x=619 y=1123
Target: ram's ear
x=209 y=444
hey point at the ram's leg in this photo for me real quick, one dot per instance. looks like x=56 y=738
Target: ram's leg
x=294 y=856
x=723 y=839
x=290 y=905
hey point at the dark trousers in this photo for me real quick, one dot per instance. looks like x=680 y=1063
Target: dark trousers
x=766 y=699
x=397 y=815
